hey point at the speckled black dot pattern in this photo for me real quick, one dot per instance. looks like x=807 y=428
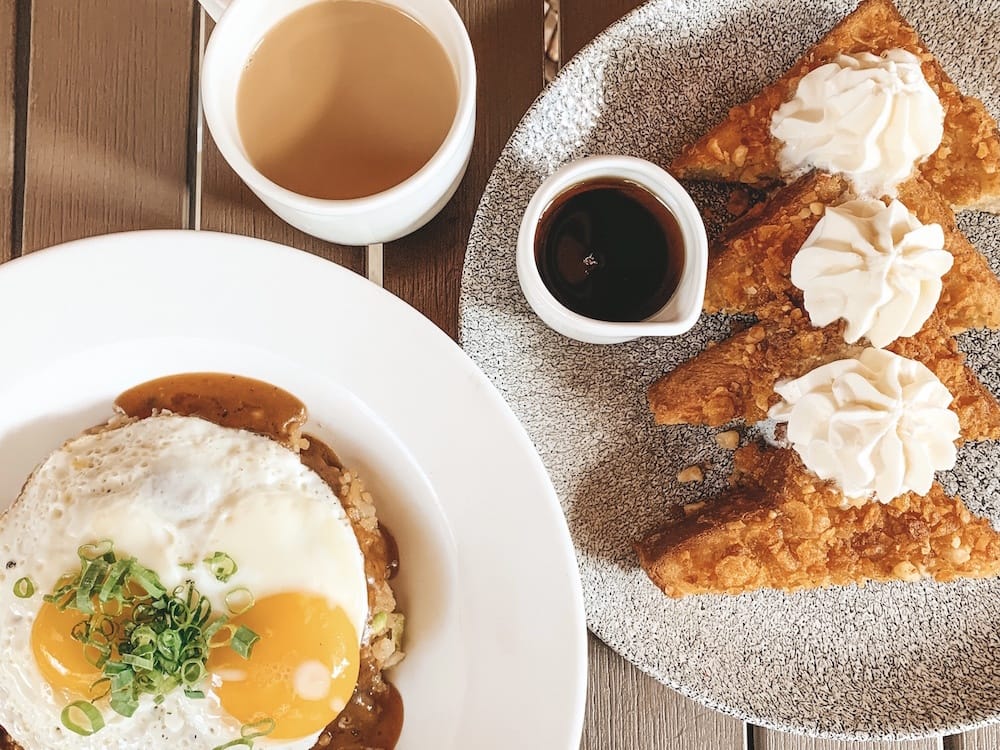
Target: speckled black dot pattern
x=881 y=661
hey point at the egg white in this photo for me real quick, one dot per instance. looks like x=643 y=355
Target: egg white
x=169 y=491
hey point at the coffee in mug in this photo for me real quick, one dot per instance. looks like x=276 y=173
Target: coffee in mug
x=344 y=99
x=352 y=120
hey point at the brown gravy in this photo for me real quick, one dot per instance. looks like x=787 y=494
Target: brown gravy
x=373 y=719
x=226 y=400
x=381 y=554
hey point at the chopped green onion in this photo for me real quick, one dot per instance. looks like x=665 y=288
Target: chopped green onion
x=121 y=678
x=24 y=588
x=138 y=661
x=100 y=688
x=249 y=733
x=115 y=579
x=93 y=571
x=180 y=611
x=169 y=643
x=379 y=622
x=257 y=729
x=192 y=671
x=91 y=552
x=113 y=608
x=239 y=601
x=222 y=565
x=61 y=599
x=96 y=654
x=143 y=635
x=90 y=722
x=243 y=641
x=105 y=627
x=227 y=631
x=147 y=579
x=123 y=704
x=144 y=639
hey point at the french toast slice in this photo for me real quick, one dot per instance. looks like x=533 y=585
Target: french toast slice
x=965 y=169
x=735 y=378
x=781 y=527
x=750 y=263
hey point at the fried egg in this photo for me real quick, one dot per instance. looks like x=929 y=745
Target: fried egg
x=172 y=491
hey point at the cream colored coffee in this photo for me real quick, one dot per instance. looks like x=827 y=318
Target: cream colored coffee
x=345 y=98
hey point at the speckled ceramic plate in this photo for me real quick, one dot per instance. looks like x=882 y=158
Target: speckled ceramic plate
x=884 y=661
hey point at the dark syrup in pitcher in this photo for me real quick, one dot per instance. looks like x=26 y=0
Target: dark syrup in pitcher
x=610 y=250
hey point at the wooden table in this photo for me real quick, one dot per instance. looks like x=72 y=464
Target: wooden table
x=100 y=131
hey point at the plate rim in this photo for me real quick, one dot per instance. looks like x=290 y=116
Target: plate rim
x=571 y=68
x=450 y=365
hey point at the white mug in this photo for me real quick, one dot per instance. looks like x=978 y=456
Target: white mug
x=384 y=216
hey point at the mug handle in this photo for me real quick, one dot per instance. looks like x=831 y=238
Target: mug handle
x=215 y=8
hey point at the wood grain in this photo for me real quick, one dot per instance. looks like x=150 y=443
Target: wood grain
x=107 y=127
x=765 y=739
x=425 y=269
x=627 y=709
x=582 y=20
x=228 y=205
x=981 y=739
x=7 y=46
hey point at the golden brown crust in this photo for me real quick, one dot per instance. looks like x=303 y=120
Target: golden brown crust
x=977 y=409
x=780 y=527
x=735 y=378
x=751 y=262
x=965 y=169
x=970 y=294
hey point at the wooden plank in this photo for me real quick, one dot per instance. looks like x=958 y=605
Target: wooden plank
x=228 y=205
x=626 y=709
x=765 y=739
x=8 y=29
x=582 y=20
x=107 y=130
x=425 y=269
x=981 y=739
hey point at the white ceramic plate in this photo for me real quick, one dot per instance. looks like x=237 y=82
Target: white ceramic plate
x=886 y=661
x=496 y=641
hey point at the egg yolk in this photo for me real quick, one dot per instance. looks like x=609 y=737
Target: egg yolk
x=61 y=659
x=302 y=671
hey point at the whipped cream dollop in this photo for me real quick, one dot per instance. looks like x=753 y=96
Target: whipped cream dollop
x=878 y=425
x=868 y=117
x=875 y=266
